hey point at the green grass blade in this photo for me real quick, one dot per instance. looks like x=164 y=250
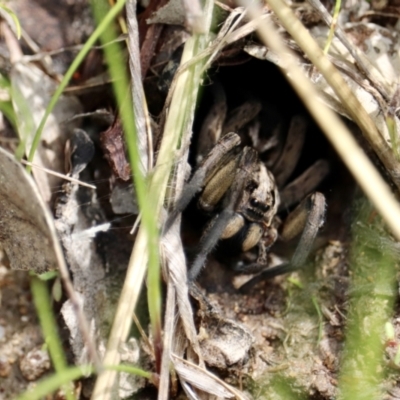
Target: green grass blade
x=43 y=304
x=114 y=11
x=116 y=64
x=332 y=28
x=6 y=106
x=49 y=385
x=131 y=369
x=14 y=18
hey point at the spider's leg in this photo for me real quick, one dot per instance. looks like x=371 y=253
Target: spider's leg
x=309 y=216
x=212 y=125
x=241 y=115
x=224 y=146
x=269 y=238
x=230 y=203
x=305 y=184
x=292 y=150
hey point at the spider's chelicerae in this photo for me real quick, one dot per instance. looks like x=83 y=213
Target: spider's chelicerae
x=242 y=193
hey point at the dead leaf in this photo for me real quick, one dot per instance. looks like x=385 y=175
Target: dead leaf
x=26 y=226
x=112 y=142
x=32 y=90
x=172 y=13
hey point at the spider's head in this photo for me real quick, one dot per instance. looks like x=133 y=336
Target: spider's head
x=261 y=201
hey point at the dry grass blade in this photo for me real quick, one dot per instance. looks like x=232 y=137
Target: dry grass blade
x=169 y=322
x=144 y=134
x=227 y=35
x=177 y=295
x=234 y=18
x=126 y=305
x=63 y=176
x=338 y=84
x=177 y=271
x=204 y=380
x=353 y=156
x=178 y=122
x=368 y=69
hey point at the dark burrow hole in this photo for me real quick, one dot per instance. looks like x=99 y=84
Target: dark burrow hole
x=263 y=81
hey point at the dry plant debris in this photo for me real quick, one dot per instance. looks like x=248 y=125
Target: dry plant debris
x=219 y=342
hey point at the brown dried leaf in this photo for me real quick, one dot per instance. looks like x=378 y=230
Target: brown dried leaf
x=113 y=146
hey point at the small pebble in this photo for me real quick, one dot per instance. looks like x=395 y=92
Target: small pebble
x=5 y=367
x=34 y=364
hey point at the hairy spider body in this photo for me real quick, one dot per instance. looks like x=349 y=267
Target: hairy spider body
x=242 y=193
x=258 y=203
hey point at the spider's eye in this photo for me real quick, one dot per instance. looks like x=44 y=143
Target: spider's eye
x=259 y=205
x=254 y=202
x=251 y=186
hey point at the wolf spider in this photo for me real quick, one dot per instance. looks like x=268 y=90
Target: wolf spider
x=242 y=193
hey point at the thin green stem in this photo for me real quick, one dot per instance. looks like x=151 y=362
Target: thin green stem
x=68 y=75
x=146 y=201
x=49 y=327
x=332 y=28
x=49 y=385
